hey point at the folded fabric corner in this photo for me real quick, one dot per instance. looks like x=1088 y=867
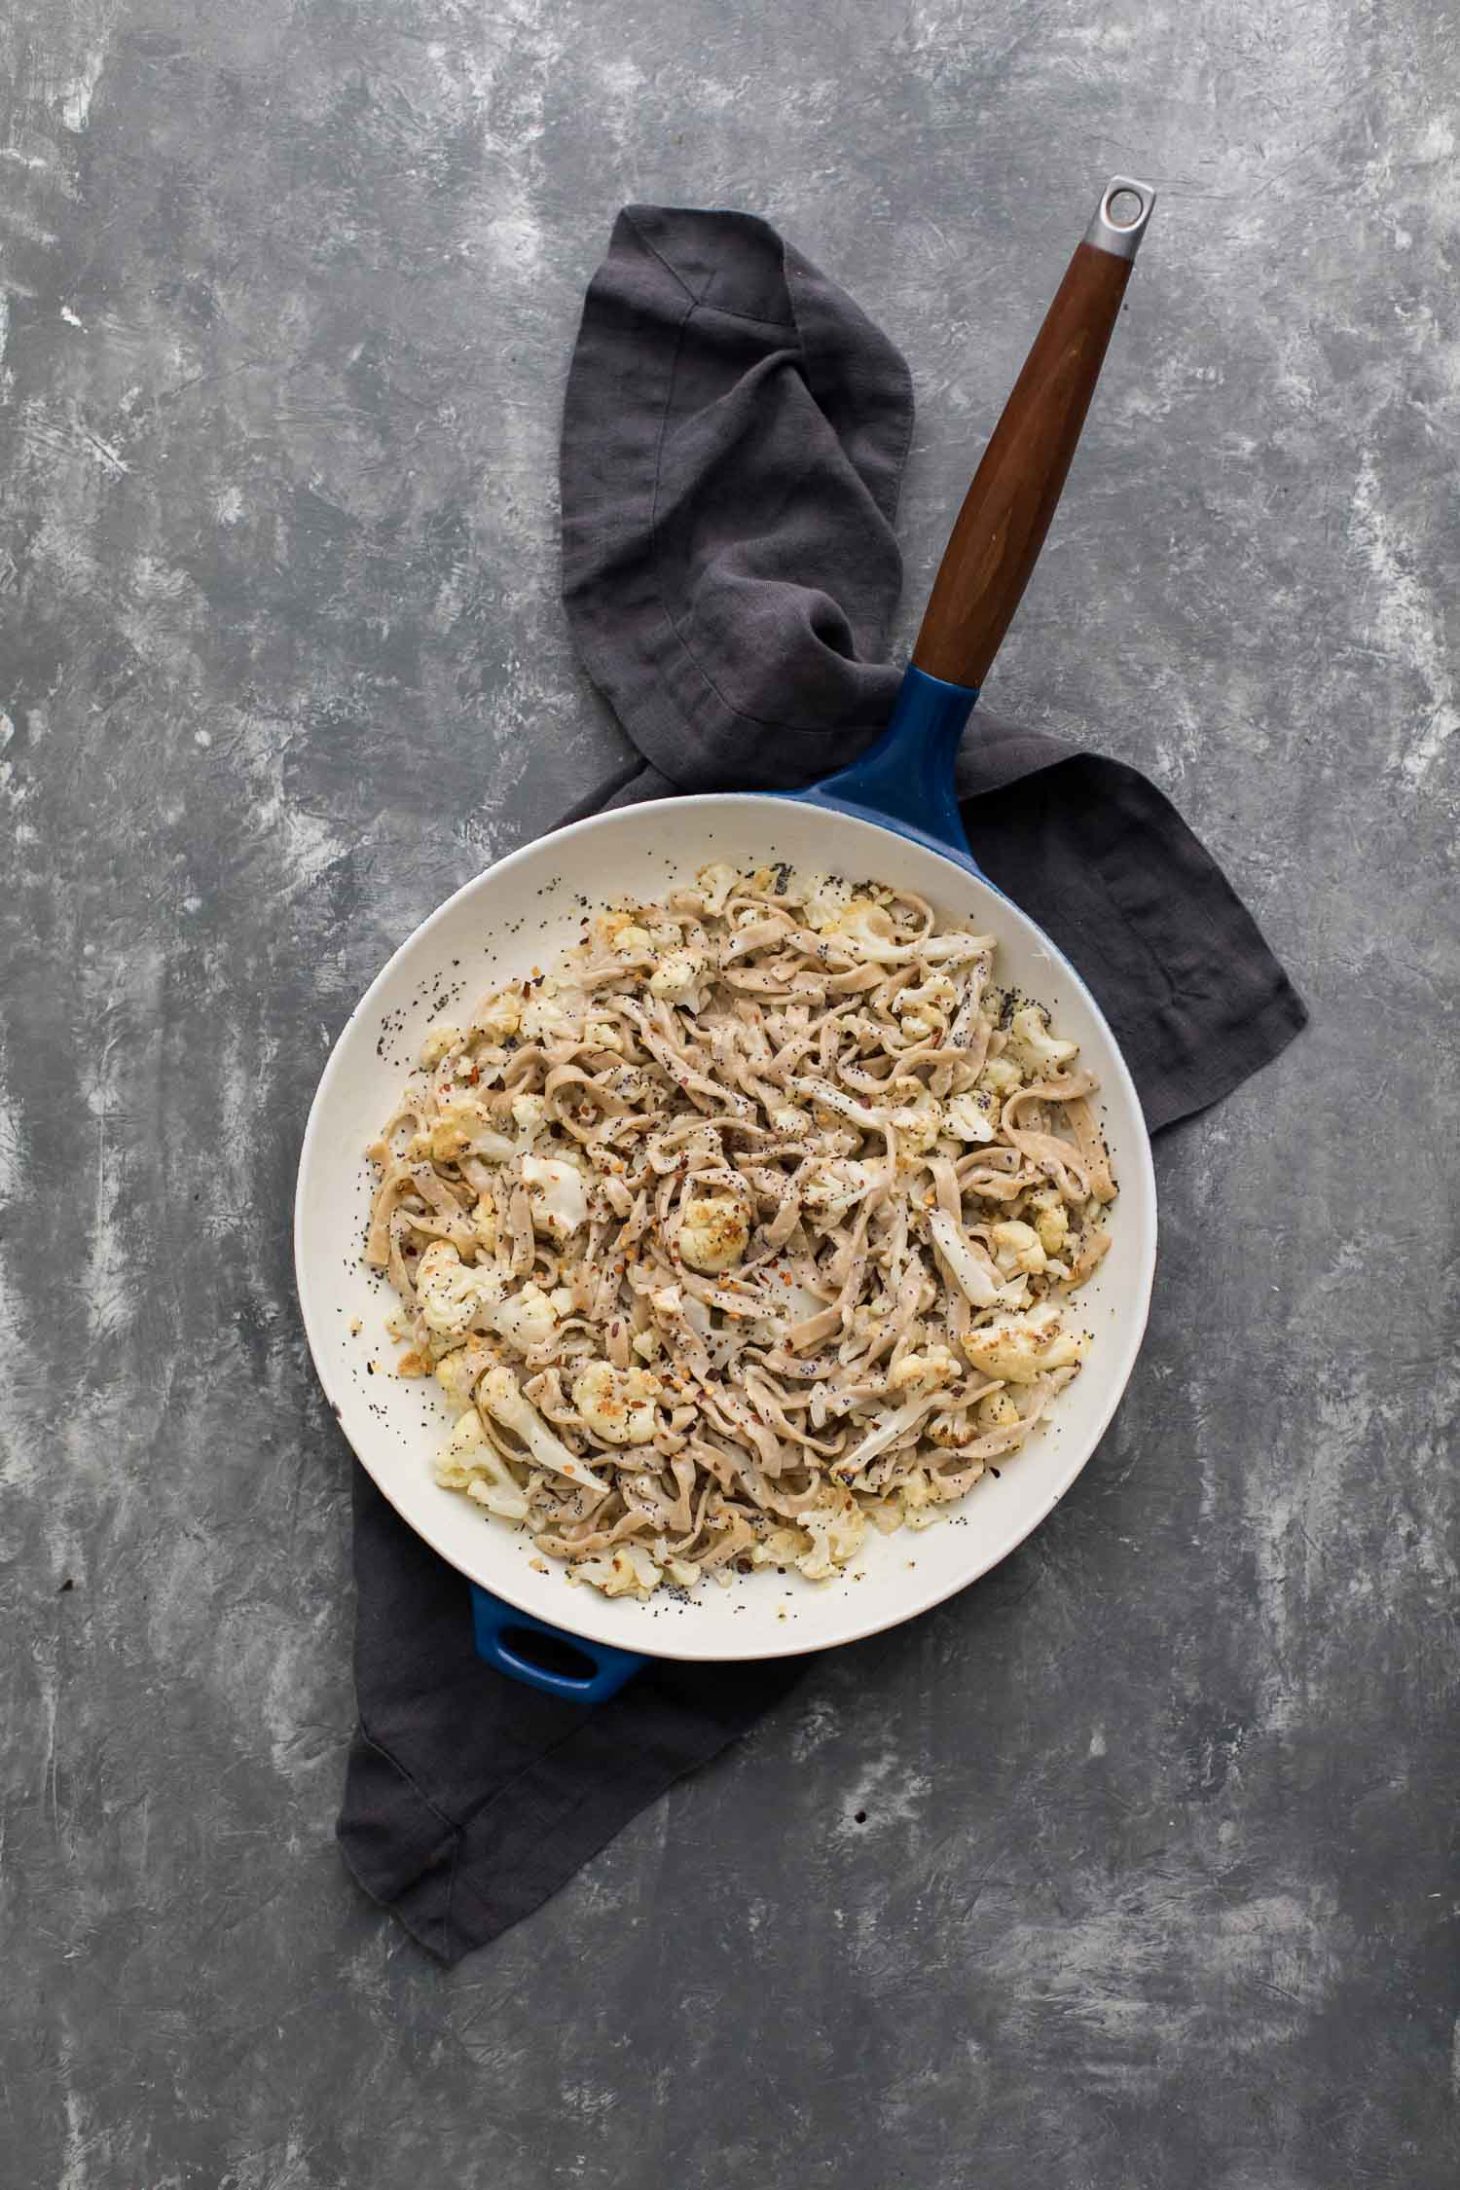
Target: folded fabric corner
x=734 y=434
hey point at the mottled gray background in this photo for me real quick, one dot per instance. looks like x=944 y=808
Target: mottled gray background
x=1152 y=1887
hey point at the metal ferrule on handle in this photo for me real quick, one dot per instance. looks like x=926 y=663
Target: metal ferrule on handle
x=1121 y=218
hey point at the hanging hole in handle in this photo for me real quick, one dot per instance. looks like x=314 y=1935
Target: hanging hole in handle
x=550 y=1654
x=1122 y=216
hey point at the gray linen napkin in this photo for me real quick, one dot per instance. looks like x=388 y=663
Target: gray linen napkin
x=733 y=442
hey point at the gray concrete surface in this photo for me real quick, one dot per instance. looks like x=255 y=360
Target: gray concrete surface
x=1154 y=1885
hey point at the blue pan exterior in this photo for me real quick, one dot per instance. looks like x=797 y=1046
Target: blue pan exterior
x=905 y=781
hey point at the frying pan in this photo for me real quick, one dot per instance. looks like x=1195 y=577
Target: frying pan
x=893 y=815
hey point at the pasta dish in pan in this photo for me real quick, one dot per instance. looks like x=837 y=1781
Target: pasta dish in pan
x=751 y=1223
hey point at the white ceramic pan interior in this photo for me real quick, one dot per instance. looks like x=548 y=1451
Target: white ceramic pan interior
x=519 y=915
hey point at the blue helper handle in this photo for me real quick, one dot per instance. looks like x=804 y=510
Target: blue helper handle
x=504 y=1636
x=905 y=781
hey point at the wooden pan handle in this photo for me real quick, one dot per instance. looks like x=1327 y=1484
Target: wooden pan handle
x=1006 y=512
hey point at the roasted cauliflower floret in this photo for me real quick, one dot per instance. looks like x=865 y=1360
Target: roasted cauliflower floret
x=837 y=1534
x=499 y=1016
x=451 y=1292
x=463 y=1127
x=622 y=932
x=617 y=1405
x=455 y=1458
x=525 y=1319
x=970 y=1117
x=927 y=1370
x=457 y=1372
x=1017 y=1349
x=1053 y=1226
x=546 y=1013
x=556 y=1194
x=917 y=1125
x=469 y=1461
x=439 y=1043
x=825 y=897
x=1034 y=1047
x=627 y=1571
x=865 y=928
x=1017 y=1247
x=528 y=1112
x=778 y=1547
x=834 y=1189
x=714 y=1233
x=677 y=976
x=996 y=1411
x=715 y=882
x=1001 y=1077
